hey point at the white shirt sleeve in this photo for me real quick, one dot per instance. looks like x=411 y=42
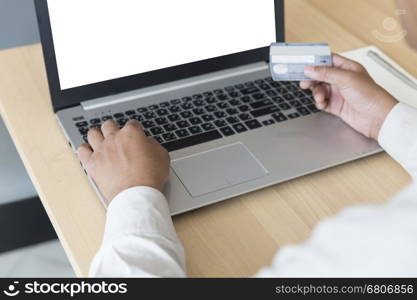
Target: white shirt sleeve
x=139 y=238
x=367 y=240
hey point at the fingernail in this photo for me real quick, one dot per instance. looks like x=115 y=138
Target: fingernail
x=309 y=70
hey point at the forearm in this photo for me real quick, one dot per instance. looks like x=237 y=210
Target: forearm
x=139 y=239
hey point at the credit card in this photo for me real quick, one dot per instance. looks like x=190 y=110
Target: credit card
x=288 y=60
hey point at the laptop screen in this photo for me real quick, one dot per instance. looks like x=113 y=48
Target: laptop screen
x=99 y=40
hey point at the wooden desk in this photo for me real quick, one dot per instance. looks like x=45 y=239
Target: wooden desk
x=232 y=238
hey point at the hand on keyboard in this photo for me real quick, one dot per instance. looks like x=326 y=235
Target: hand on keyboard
x=117 y=159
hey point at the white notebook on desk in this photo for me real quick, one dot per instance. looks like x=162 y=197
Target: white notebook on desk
x=387 y=73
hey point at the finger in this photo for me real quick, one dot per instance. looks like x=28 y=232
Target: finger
x=108 y=128
x=307 y=84
x=135 y=126
x=346 y=64
x=84 y=153
x=320 y=96
x=153 y=141
x=332 y=75
x=95 y=138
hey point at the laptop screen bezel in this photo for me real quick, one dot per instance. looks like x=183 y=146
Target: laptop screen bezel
x=62 y=99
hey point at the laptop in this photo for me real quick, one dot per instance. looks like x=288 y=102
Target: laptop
x=195 y=74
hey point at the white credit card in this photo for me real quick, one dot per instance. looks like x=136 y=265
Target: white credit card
x=287 y=61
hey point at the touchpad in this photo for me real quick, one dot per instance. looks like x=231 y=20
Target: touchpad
x=217 y=169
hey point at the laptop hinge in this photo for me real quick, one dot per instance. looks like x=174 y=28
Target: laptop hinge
x=171 y=86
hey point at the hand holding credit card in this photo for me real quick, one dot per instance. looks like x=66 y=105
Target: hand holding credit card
x=288 y=60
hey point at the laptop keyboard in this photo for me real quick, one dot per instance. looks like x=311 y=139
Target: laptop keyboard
x=215 y=114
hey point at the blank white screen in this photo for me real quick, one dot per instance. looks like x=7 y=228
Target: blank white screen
x=98 y=40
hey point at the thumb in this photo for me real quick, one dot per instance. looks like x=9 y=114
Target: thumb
x=330 y=75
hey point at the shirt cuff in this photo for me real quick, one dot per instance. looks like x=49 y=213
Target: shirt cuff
x=398 y=135
x=138 y=210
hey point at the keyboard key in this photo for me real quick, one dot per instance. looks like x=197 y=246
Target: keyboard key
x=288 y=97
x=208 y=94
x=175 y=101
x=142 y=109
x=222 y=97
x=118 y=115
x=148 y=124
x=81 y=124
x=279 y=117
x=253 y=124
x=271 y=93
x=122 y=121
x=293 y=115
x=239 y=128
x=156 y=130
x=195 y=121
x=137 y=117
x=232 y=120
x=75 y=119
x=130 y=112
x=223 y=105
x=161 y=121
x=170 y=127
x=174 y=117
x=261 y=103
x=220 y=123
x=210 y=108
x=220 y=114
x=245 y=99
x=250 y=90
x=234 y=94
x=95 y=121
x=174 y=108
x=234 y=102
x=258 y=96
x=153 y=106
x=268 y=122
x=265 y=86
x=186 y=99
x=284 y=106
x=295 y=103
x=249 y=84
x=169 y=136
x=227 y=131
x=207 y=118
x=198 y=102
x=259 y=81
x=183 y=124
x=162 y=112
x=264 y=111
x=182 y=133
x=195 y=129
x=278 y=100
x=306 y=101
x=211 y=100
x=197 y=96
x=232 y=111
x=244 y=116
x=149 y=115
x=83 y=130
x=164 y=104
x=105 y=118
x=187 y=105
x=218 y=91
x=198 y=111
x=239 y=86
x=244 y=108
x=192 y=140
x=186 y=114
x=207 y=126
x=303 y=111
